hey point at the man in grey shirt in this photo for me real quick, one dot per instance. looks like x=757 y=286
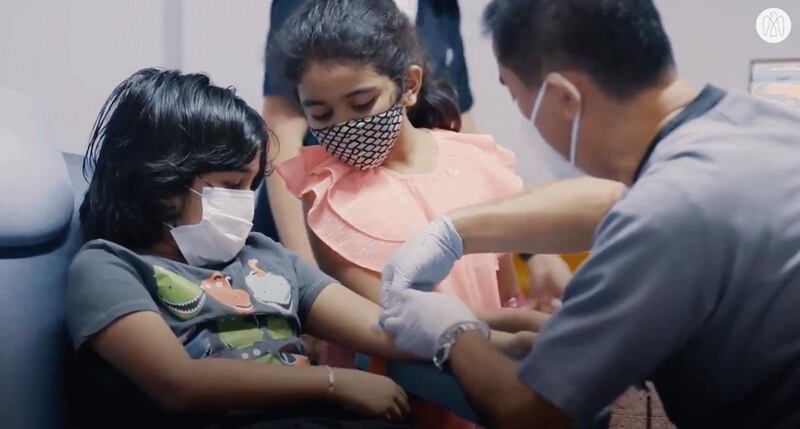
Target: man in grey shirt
x=694 y=278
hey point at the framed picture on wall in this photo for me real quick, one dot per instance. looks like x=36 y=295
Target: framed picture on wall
x=776 y=80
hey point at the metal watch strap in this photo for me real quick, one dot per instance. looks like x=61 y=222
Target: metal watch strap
x=449 y=338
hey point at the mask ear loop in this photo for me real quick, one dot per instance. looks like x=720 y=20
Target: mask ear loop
x=576 y=123
x=538 y=103
x=195 y=191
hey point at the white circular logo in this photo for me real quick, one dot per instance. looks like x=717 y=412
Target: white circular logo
x=773 y=25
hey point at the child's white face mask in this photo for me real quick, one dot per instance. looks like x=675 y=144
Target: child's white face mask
x=366 y=142
x=223 y=230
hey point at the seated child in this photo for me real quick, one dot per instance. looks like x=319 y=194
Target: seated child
x=179 y=314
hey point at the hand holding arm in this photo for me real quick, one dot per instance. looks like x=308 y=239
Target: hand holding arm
x=420 y=320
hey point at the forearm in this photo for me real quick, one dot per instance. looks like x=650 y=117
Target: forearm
x=287 y=212
x=289 y=126
x=514 y=319
x=494 y=390
x=557 y=218
x=232 y=384
x=342 y=317
x=365 y=284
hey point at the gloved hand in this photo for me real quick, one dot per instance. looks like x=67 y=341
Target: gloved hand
x=425 y=260
x=419 y=320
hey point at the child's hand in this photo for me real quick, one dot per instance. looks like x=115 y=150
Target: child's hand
x=370 y=395
x=515 y=346
x=549 y=276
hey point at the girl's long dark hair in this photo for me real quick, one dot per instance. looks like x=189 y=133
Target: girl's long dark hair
x=155 y=134
x=369 y=32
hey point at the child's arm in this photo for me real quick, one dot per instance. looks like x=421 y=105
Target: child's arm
x=343 y=317
x=514 y=319
x=145 y=350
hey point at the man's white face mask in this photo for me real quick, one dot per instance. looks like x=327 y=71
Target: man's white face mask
x=560 y=167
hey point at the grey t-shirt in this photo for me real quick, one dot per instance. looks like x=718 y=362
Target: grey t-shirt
x=251 y=308
x=694 y=280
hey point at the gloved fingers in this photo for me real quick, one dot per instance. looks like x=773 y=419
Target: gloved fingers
x=393 y=325
x=409 y=293
x=387 y=313
x=390 y=292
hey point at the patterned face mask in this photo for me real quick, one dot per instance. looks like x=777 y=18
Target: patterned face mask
x=363 y=143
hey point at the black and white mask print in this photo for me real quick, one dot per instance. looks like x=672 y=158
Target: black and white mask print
x=363 y=143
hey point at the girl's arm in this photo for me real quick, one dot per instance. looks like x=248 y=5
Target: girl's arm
x=144 y=349
x=289 y=126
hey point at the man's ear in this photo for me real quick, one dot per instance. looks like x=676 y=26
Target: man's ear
x=412 y=86
x=569 y=97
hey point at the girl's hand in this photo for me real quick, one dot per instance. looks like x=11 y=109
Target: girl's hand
x=515 y=345
x=549 y=277
x=369 y=395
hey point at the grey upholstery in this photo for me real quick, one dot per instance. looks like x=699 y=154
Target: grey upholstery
x=38 y=238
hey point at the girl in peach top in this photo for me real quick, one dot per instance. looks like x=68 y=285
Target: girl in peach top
x=389 y=159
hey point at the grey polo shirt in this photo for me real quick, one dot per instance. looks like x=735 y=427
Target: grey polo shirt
x=694 y=279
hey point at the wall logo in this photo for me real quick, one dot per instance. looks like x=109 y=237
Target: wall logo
x=773 y=25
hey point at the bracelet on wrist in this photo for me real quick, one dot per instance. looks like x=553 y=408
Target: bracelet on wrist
x=331 y=380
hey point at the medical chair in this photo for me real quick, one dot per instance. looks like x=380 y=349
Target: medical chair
x=38 y=238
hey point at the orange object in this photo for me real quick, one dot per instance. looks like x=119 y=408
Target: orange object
x=523 y=272
x=575 y=260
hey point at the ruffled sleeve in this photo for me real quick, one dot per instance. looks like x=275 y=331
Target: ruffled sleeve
x=297 y=172
x=364 y=216
x=482 y=145
x=478 y=168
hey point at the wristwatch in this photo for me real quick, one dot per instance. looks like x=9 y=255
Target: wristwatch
x=449 y=338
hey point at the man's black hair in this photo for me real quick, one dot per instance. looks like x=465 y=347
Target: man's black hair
x=621 y=44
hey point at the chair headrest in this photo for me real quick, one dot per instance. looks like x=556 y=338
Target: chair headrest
x=36 y=198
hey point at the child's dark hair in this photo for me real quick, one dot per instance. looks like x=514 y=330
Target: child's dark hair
x=155 y=134
x=369 y=32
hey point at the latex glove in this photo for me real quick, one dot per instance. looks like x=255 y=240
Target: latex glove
x=425 y=260
x=418 y=320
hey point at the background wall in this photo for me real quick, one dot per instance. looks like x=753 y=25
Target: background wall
x=69 y=54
